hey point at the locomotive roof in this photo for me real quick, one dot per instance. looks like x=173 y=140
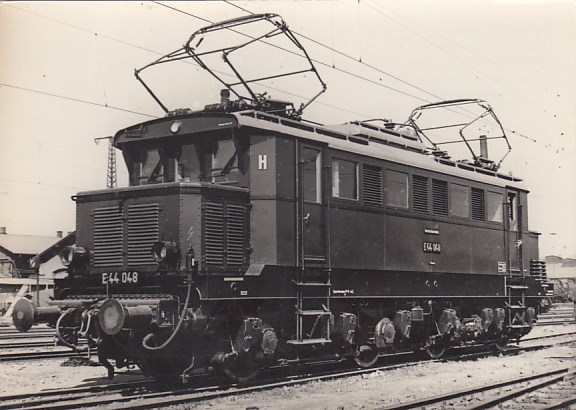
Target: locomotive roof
x=355 y=137
x=377 y=143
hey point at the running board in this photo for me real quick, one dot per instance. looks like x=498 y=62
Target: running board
x=309 y=341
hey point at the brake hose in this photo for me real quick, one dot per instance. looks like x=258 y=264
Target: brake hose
x=177 y=329
x=59 y=335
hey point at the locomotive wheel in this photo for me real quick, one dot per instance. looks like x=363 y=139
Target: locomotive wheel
x=242 y=369
x=501 y=344
x=366 y=357
x=435 y=351
x=160 y=368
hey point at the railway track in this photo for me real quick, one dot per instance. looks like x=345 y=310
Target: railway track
x=54 y=354
x=149 y=394
x=12 y=334
x=559 y=314
x=18 y=346
x=554 y=389
x=27 y=344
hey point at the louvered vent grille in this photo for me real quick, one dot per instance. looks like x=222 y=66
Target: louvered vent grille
x=235 y=235
x=214 y=233
x=108 y=237
x=439 y=197
x=142 y=233
x=224 y=235
x=420 y=194
x=478 y=209
x=372 y=183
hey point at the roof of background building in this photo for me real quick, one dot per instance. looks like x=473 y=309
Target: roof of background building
x=26 y=244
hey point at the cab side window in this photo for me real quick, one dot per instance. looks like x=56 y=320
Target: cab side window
x=397 y=189
x=311 y=175
x=494 y=207
x=459 y=201
x=344 y=179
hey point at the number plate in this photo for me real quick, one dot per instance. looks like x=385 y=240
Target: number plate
x=119 y=277
x=431 y=247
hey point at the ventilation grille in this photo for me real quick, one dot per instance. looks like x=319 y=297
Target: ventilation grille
x=420 y=194
x=225 y=233
x=108 y=237
x=111 y=230
x=478 y=209
x=142 y=233
x=235 y=248
x=372 y=182
x=214 y=233
x=439 y=197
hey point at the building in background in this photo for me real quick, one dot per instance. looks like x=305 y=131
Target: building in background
x=558 y=267
x=19 y=278
x=17 y=250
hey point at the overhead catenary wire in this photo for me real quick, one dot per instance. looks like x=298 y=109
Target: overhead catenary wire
x=343 y=54
x=474 y=68
x=461 y=110
x=126 y=43
x=514 y=132
x=20 y=181
x=314 y=60
x=79 y=100
x=521 y=135
x=461 y=46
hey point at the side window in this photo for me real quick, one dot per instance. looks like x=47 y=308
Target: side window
x=311 y=175
x=494 y=207
x=344 y=179
x=459 y=201
x=397 y=189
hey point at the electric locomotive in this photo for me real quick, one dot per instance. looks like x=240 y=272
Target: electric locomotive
x=249 y=237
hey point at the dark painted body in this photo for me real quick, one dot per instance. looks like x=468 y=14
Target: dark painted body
x=255 y=238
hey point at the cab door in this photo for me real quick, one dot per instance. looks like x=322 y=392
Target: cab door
x=311 y=205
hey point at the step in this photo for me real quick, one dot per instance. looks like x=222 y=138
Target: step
x=517 y=287
x=312 y=283
x=313 y=312
x=516 y=306
x=309 y=341
x=518 y=326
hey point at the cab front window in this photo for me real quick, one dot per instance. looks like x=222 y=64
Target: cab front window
x=200 y=159
x=145 y=166
x=224 y=168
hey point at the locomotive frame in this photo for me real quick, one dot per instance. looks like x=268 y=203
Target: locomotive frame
x=249 y=237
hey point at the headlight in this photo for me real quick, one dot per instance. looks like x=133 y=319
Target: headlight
x=165 y=252
x=72 y=255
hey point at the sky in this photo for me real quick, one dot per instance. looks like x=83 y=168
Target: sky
x=67 y=77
